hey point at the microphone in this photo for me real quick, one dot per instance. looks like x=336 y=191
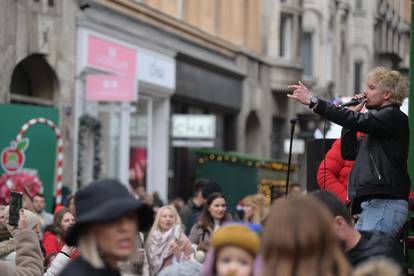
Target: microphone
x=294 y=121
x=352 y=102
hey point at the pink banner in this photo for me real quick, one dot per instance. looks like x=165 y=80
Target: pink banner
x=110 y=88
x=109 y=56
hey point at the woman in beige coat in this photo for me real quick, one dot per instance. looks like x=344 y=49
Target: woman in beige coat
x=166 y=242
x=29 y=260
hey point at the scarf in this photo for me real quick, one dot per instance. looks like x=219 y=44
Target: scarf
x=158 y=249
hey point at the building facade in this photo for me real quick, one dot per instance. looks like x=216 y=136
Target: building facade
x=263 y=68
x=344 y=40
x=38 y=64
x=231 y=59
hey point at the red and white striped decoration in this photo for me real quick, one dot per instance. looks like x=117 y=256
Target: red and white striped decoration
x=59 y=158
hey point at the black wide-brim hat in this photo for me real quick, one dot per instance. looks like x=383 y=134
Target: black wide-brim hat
x=105 y=200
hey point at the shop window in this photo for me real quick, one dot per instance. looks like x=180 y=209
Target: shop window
x=110 y=119
x=358 y=4
x=278 y=126
x=253 y=134
x=307 y=54
x=139 y=144
x=285 y=31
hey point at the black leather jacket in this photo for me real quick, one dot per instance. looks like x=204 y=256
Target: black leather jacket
x=375 y=244
x=380 y=168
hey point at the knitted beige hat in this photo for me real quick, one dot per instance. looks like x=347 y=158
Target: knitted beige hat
x=32 y=219
x=237 y=235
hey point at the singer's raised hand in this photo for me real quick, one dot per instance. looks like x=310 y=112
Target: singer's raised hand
x=300 y=93
x=360 y=106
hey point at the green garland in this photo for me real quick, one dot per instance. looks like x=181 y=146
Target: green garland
x=276 y=166
x=87 y=123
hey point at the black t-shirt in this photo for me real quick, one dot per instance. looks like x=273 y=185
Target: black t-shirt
x=80 y=267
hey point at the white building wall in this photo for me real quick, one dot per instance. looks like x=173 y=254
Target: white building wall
x=334 y=60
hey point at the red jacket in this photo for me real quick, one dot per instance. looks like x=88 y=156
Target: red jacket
x=333 y=173
x=52 y=244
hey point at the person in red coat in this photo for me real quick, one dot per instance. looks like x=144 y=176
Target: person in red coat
x=53 y=239
x=333 y=172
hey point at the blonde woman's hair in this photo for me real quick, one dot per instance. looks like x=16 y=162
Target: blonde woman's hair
x=88 y=248
x=258 y=203
x=299 y=239
x=377 y=267
x=156 y=225
x=391 y=81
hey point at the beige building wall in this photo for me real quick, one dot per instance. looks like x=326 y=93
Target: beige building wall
x=236 y=21
x=251 y=27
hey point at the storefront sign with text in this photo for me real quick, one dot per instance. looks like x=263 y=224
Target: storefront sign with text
x=110 y=88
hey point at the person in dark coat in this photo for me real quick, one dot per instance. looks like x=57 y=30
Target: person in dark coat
x=108 y=218
x=359 y=245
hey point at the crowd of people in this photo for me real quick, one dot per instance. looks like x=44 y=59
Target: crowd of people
x=107 y=229
x=113 y=233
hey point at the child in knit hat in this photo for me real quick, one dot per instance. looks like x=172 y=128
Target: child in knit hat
x=234 y=249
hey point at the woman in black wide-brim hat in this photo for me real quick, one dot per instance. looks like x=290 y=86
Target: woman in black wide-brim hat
x=107 y=224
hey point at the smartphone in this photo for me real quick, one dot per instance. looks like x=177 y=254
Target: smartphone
x=177 y=234
x=16 y=202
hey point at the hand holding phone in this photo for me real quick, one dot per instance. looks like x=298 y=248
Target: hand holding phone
x=23 y=224
x=16 y=203
x=177 y=234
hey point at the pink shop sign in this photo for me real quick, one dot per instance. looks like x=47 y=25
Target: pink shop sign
x=110 y=88
x=109 y=56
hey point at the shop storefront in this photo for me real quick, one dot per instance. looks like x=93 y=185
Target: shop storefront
x=127 y=88
x=203 y=90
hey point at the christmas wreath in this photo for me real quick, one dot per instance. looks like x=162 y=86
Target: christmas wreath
x=88 y=123
x=21 y=182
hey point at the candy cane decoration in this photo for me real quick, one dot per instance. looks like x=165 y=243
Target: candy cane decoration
x=59 y=159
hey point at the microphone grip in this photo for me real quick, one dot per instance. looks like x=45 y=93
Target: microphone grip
x=352 y=102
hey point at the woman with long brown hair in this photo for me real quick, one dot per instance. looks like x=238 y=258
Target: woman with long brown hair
x=54 y=237
x=299 y=240
x=214 y=214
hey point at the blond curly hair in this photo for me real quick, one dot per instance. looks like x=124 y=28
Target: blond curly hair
x=391 y=81
x=258 y=203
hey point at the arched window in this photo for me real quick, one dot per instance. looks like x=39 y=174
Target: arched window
x=33 y=82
